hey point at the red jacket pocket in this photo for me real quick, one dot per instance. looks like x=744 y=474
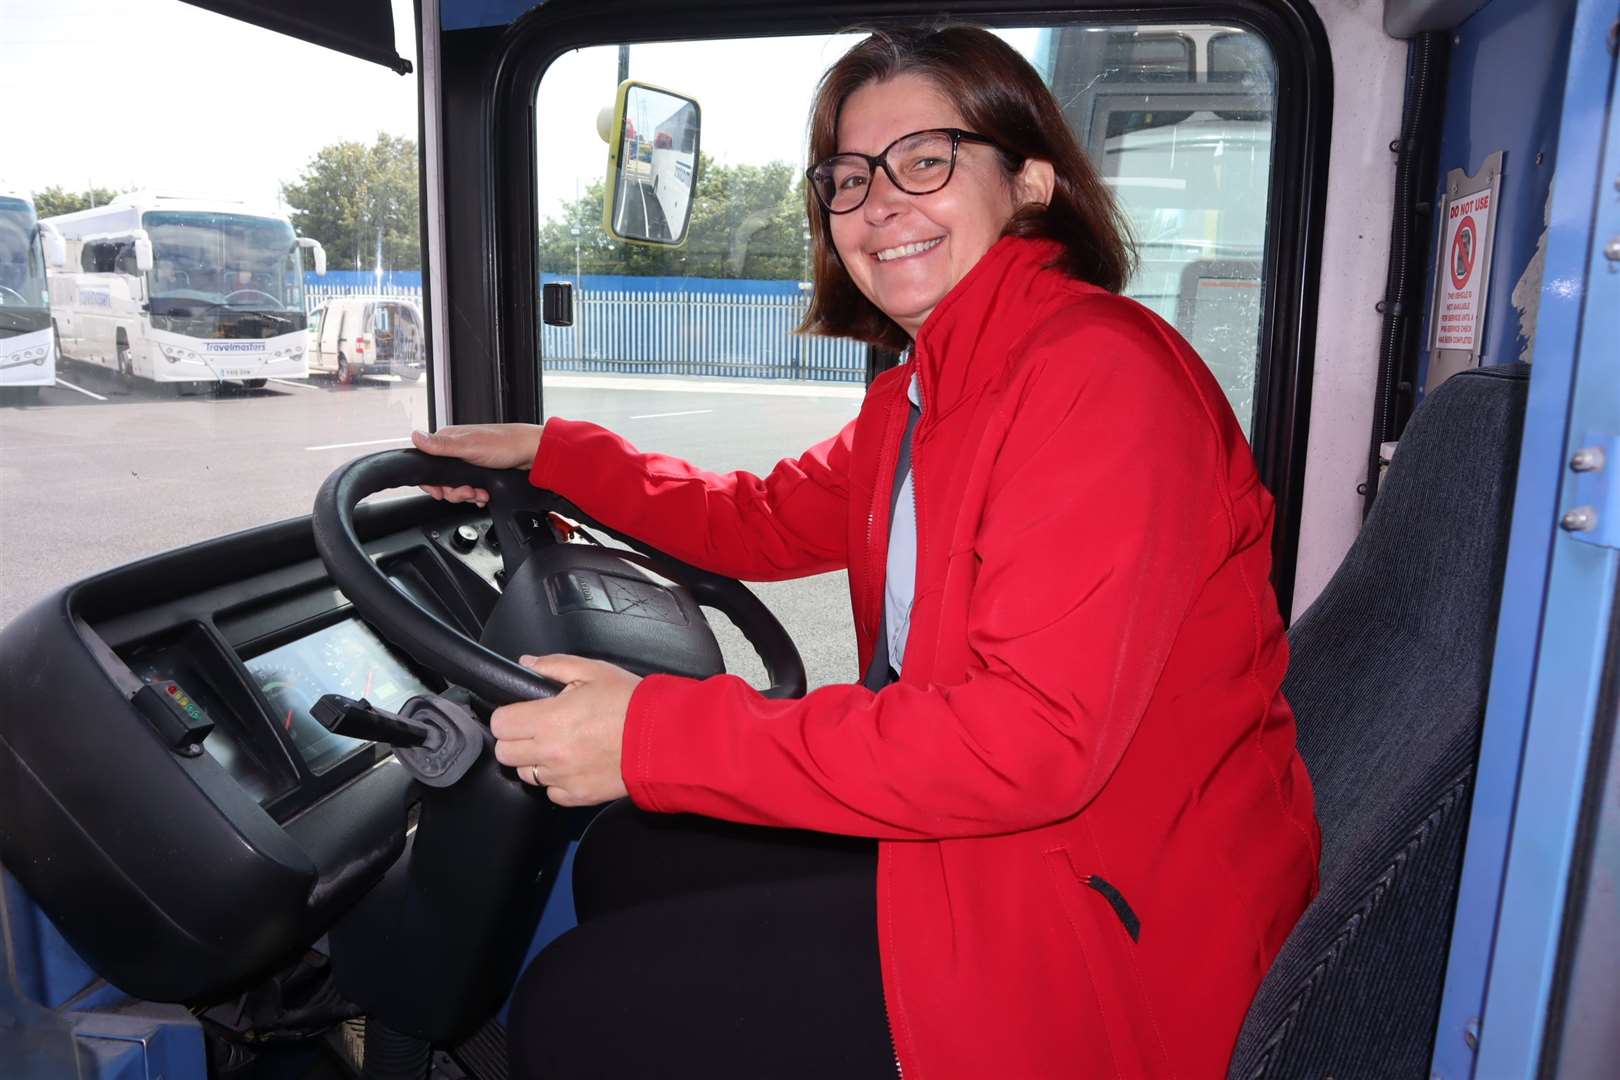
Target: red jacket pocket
x=1107 y=930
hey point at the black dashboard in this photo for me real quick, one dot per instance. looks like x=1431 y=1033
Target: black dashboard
x=170 y=800
x=247 y=658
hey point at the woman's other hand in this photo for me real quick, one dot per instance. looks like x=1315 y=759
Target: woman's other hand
x=570 y=744
x=494 y=446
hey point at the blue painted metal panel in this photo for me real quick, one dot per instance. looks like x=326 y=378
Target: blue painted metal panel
x=145 y=1042
x=1502 y=93
x=35 y=1043
x=1552 y=620
x=1569 y=669
x=49 y=972
x=472 y=14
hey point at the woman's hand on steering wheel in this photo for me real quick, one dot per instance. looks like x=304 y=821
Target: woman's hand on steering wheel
x=571 y=744
x=493 y=446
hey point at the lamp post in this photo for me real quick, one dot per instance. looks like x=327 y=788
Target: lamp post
x=579 y=289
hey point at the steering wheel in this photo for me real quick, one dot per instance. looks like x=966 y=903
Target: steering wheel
x=513 y=499
x=249 y=293
x=21 y=300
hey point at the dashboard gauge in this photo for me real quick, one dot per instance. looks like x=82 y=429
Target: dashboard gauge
x=289 y=692
x=348 y=665
x=359 y=665
x=345 y=658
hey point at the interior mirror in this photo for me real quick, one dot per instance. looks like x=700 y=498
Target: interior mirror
x=652 y=165
x=319 y=253
x=143 y=251
x=55 y=249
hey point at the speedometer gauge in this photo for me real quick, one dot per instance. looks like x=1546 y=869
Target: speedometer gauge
x=349 y=664
x=345 y=658
x=357 y=664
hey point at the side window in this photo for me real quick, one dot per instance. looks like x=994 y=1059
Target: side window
x=690 y=350
x=1148 y=56
x=1189 y=160
x=124 y=259
x=98 y=258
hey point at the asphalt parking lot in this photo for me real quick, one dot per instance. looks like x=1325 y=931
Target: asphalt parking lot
x=101 y=470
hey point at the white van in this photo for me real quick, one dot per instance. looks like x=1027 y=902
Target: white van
x=352 y=336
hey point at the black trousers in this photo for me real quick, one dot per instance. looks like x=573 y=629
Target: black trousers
x=707 y=949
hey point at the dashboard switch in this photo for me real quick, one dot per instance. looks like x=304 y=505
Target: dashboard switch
x=465 y=538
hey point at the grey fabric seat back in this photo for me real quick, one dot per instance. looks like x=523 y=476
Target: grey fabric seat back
x=1387 y=677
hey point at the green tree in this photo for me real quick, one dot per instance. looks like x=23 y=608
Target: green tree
x=56 y=200
x=747 y=222
x=349 y=192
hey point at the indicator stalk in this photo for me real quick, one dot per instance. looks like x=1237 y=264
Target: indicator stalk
x=363 y=720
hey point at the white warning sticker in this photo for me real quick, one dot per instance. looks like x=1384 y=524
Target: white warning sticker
x=1458 y=313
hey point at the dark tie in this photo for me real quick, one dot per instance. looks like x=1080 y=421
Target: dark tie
x=879 y=674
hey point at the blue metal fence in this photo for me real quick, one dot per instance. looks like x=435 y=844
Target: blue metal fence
x=663 y=326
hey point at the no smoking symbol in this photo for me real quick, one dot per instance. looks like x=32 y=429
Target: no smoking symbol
x=1463 y=249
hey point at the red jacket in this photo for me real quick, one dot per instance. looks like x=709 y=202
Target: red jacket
x=1090 y=696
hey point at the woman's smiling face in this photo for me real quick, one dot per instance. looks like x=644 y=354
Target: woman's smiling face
x=905 y=252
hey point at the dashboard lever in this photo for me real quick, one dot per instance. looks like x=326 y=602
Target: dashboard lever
x=363 y=720
x=435 y=739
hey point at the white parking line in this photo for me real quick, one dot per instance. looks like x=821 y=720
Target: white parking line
x=657 y=415
x=366 y=442
x=667 y=384
x=295 y=385
x=80 y=389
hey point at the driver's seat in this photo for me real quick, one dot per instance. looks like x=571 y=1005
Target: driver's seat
x=1387 y=678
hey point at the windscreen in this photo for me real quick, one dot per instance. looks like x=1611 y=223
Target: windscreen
x=207 y=264
x=24 y=302
x=159 y=406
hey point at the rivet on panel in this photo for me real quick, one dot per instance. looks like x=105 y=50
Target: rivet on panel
x=1580 y=519
x=1587 y=459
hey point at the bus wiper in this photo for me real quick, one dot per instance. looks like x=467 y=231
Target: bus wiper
x=219 y=305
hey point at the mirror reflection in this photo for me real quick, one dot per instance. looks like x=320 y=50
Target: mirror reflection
x=654 y=165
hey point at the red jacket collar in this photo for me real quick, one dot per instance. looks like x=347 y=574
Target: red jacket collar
x=969 y=334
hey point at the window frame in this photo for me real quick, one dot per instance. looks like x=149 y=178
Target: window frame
x=488 y=83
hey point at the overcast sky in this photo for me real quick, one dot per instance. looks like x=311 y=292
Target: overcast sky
x=163 y=95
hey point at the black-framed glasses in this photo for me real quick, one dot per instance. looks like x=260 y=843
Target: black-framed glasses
x=918 y=164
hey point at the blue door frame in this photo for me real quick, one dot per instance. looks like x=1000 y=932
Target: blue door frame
x=1558 y=593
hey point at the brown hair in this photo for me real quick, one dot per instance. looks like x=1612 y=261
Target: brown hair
x=1001 y=97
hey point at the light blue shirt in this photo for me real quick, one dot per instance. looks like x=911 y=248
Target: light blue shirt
x=900 y=574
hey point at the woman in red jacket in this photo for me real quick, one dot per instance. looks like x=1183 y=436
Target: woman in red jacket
x=1092 y=829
